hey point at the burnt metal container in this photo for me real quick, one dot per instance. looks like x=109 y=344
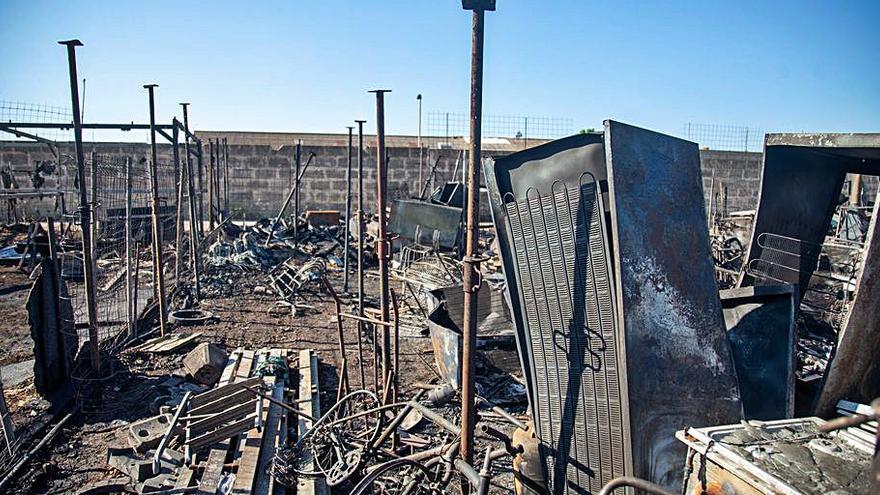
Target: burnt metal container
x=610 y=279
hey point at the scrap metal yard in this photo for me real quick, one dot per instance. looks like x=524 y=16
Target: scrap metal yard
x=614 y=310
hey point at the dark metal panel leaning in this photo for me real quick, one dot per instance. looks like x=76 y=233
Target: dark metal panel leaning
x=679 y=368
x=553 y=240
x=761 y=331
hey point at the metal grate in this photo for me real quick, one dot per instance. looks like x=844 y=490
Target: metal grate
x=562 y=267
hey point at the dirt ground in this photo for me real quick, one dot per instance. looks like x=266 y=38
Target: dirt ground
x=15 y=338
x=78 y=455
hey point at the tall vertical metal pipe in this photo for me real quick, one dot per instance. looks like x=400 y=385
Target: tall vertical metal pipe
x=225 y=178
x=211 y=184
x=382 y=244
x=130 y=311
x=298 y=164
x=360 y=233
x=471 y=266
x=347 y=214
x=157 y=226
x=178 y=223
x=193 y=207
x=84 y=212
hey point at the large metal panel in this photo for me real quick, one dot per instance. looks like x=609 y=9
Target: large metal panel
x=761 y=331
x=679 y=368
x=552 y=236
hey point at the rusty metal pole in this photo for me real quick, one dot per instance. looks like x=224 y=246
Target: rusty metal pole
x=225 y=178
x=347 y=214
x=382 y=243
x=211 y=184
x=85 y=214
x=178 y=223
x=297 y=164
x=193 y=207
x=471 y=266
x=157 y=226
x=360 y=230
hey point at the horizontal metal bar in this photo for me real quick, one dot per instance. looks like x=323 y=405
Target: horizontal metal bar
x=69 y=125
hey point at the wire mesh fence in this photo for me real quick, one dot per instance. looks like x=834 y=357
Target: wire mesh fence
x=451 y=124
x=725 y=137
x=119 y=198
x=17 y=111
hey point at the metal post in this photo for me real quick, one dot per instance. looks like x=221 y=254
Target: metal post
x=200 y=166
x=178 y=224
x=193 y=208
x=94 y=206
x=85 y=214
x=419 y=98
x=211 y=184
x=347 y=214
x=382 y=243
x=157 y=226
x=360 y=233
x=298 y=163
x=130 y=310
x=471 y=265
x=225 y=178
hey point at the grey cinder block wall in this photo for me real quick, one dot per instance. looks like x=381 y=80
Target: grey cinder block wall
x=261 y=174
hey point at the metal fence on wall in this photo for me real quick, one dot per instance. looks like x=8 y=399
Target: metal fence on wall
x=725 y=137
x=525 y=127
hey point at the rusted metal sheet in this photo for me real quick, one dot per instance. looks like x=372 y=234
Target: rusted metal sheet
x=761 y=331
x=679 y=368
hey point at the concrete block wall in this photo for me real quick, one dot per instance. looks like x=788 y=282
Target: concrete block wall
x=260 y=175
x=738 y=173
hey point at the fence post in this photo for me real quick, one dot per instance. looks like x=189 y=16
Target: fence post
x=157 y=222
x=193 y=209
x=211 y=184
x=85 y=216
x=130 y=310
x=199 y=167
x=178 y=174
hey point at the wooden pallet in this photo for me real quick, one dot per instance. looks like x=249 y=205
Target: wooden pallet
x=249 y=454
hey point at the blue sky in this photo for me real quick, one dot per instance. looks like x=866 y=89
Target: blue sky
x=307 y=66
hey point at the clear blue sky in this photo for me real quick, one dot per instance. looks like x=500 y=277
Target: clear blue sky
x=306 y=66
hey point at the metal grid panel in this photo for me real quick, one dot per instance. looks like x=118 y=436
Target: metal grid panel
x=562 y=267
